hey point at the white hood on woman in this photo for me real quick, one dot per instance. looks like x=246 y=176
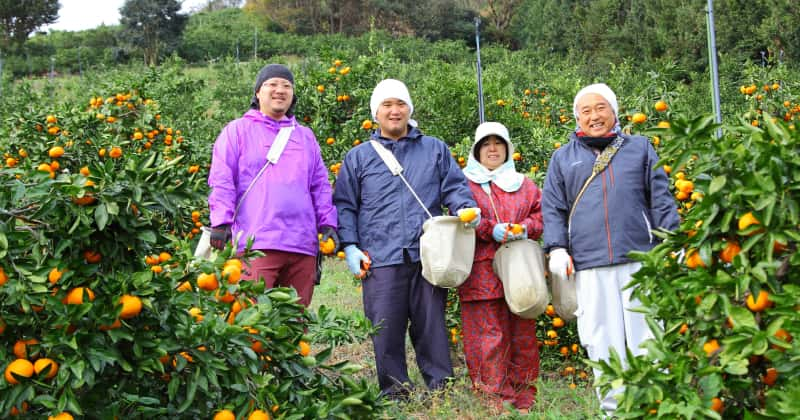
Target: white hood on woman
x=505 y=176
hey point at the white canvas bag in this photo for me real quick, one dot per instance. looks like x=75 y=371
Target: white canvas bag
x=446 y=247
x=204 y=249
x=520 y=266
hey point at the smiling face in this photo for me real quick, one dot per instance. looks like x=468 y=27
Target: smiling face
x=393 y=115
x=492 y=152
x=595 y=116
x=275 y=97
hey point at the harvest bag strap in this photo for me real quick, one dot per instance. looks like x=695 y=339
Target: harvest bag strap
x=488 y=191
x=600 y=164
x=396 y=169
x=273 y=155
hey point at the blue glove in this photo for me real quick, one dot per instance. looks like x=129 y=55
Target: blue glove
x=472 y=224
x=354 y=257
x=499 y=232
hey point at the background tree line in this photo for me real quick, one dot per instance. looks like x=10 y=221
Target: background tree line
x=594 y=34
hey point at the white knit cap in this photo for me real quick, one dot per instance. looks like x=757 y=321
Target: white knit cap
x=601 y=89
x=391 y=88
x=491 y=128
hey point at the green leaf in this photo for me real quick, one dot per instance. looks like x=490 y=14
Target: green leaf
x=48 y=401
x=759 y=273
x=101 y=216
x=191 y=389
x=742 y=318
x=249 y=316
x=764 y=201
x=711 y=384
x=174 y=385
x=736 y=367
x=725 y=223
x=716 y=184
x=147 y=236
x=113 y=208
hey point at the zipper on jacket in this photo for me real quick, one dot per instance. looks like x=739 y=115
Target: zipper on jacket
x=649 y=228
x=399 y=184
x=608 y=226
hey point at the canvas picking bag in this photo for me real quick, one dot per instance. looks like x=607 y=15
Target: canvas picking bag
x=520 y=266
x=446 y=247
x=564 y=296
x=204 y=249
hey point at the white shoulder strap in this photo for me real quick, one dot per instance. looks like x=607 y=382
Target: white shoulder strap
x=396 y=169
x=279 y=144
x=273 y=155
x=388 y=158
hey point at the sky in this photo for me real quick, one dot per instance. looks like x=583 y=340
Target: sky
x=76 y=15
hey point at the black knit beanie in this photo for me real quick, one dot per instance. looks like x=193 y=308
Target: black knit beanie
x=268 y=72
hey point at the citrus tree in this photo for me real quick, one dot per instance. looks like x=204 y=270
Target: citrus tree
x=721 y=293
x=104 y=311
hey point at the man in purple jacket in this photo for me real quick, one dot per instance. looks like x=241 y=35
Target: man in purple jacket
x=282 y=205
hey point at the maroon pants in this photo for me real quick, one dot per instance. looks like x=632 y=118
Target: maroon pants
x=501 y=351
x=285 y=269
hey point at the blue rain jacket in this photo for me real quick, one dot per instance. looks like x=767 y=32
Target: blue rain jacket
x=378 y=213
x=619 y=209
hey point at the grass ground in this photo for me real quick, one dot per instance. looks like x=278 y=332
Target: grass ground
x=555 y=399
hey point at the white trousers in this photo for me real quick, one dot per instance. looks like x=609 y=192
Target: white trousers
x=604 y=321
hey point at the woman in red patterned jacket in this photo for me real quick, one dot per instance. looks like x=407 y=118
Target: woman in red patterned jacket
x=500 y=348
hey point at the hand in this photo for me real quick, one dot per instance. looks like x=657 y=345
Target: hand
x=517 y=232
x=220 y=236
x=560 y=263
x=471 y=216
x=499 y=232
x=330 y=233
x=355 y=258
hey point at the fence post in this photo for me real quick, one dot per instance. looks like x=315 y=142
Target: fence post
x=52 y=68
x=478 y=66
x=255 y=44
x=712 y=58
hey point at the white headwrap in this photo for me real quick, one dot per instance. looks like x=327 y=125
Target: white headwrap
x=603 y=90
x=391 y=88
x=505 y=176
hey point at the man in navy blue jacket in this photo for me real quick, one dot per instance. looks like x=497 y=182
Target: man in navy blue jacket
x=381 y=221
x=615 y=215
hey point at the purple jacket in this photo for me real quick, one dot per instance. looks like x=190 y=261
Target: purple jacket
x=288 y=204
